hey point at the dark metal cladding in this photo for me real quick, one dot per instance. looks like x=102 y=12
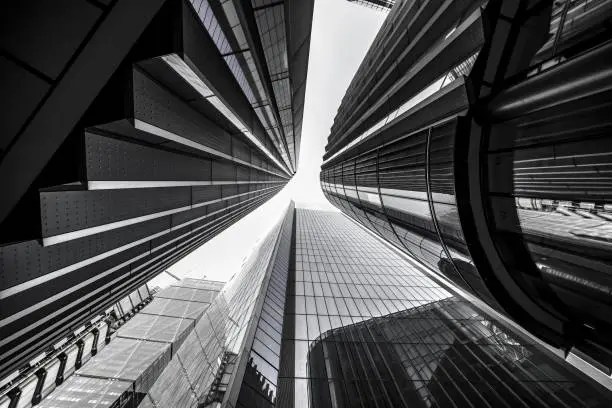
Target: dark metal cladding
x=132 y=144
x=476 y=139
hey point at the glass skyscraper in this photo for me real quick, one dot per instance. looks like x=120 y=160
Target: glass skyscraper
x=366 y=328
x=325 y=314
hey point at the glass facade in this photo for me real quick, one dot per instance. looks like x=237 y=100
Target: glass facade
x=263 y=76
x=483 y=165
x=364 y=327
x=230 y=334
x=142 y=344
x=325 y=314
x=440 y=354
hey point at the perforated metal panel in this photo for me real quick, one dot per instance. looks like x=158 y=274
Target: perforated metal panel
x=164 y=329
x=189 y=294
x=67 y=211
x=113 y=159
x=156 y=106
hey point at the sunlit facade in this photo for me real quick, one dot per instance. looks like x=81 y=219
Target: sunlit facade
x=474 y=138
x=324 y=314
x=364 y=327
x=214 y=364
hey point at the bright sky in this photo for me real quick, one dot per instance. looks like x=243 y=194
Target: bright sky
x=341 y=35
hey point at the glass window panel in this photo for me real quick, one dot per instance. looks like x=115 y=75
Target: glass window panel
x=300 y=307
x=310 y=305
x=301 y=331
x=301 y=358
x=321 y=308
x=313 y=327
x=331 y=306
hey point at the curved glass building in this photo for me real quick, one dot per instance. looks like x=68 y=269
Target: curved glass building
x=475 y=136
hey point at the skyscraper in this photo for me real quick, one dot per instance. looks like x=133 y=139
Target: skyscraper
x=364 y=327
x=324 y=314
x=473 y=137
x=134 y=132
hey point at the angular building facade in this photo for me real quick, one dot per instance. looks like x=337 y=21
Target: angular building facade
x=474 y=138
x=134 y=132
x=325 y=314
x=219 y=360
x=375 y=4
x=139 y=351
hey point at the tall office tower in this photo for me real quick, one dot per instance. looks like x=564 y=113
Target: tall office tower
x=364 y=327
x=133 y=132
x=475 y=137
x=219 y=360
x=375 y=4
x=324 y=314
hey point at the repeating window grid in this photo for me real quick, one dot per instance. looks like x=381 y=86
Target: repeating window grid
x=271 y=26
x=233 y=62
x=334 y=278
x=212 y=25
x=236 y=69
x=336 y=286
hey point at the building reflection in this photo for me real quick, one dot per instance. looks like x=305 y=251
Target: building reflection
x=444 y=353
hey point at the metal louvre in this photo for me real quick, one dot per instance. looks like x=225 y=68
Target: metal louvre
x=496 y=175
x=428 y=55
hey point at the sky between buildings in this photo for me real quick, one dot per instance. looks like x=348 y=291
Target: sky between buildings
x=341 y=35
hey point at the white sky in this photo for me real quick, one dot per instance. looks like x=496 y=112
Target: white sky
x=341 y=35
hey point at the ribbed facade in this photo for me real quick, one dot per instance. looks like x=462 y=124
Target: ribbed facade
x=474 y=137
x=157 y=149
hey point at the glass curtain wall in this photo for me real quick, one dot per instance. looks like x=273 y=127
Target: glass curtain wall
x=363 y=327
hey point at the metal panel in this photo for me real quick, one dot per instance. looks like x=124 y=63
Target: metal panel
x=200 y=194
x=190 y=294
x=71 y=356
x=113 y=159
x=67 y=284
x=87 y=347
x=52 y=371
x=158 y=107
x=87 y=392
x=67 y=211
x=103 y=328
x=27 y=392
x=175 y=308
x=25 y=261
x=223 y=171
x=136 y=361
x=163 y=329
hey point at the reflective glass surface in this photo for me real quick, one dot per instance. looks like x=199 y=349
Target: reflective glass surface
x=215 y=347
x=364 y=328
